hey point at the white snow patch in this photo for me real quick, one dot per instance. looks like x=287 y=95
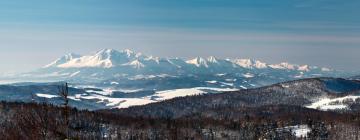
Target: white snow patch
x=76 y=98
x=304 y=68
x=128 y=90
x=299 y=76
x=118 y=102
x=140 y=77
x=230 y=80
x=300 y=131
x=332 y=104
x=211 y=82
x=88 y=61
x=114 y=83
x=285 y=86
x=248 y=63
x=198 y=62
x=325 y=69
x=135 y=64
x=283 y=65
x=217 y=89
x=46 y=95
x=248 y=75
x=243 y=87
x=227 y=84
x=169 y=94
x=253 y=85
x=128 y=102
x=220 y=74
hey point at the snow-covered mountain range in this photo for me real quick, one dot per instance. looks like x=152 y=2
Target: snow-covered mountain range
x=109 y=63
x=125 y=78
x=130 y=70
x=109 y=58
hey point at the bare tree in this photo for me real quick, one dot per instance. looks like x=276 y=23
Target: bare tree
x=64 y=93
x=32 y=97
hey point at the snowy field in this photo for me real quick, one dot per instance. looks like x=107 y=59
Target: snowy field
x=104 y=97
x=300 y=131
x=332 y=104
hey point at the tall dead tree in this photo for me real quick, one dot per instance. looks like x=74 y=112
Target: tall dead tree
x=64 y=93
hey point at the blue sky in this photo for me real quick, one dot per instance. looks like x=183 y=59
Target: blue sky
x=317 y=32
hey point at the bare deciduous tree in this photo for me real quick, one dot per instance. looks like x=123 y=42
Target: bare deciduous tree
x=64 y=94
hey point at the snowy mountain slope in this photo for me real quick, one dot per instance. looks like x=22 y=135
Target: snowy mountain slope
x=249 y=63
x=62 y=60
x=106 y=58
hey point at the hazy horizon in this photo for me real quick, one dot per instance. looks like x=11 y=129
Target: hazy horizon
x=316 y=32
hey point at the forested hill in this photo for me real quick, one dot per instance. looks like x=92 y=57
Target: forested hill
x=31 y=121
x=307 y=93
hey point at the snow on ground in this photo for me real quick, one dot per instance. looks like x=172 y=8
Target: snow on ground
x=128 y=90
x=117 y=102
x=106 y=91
x=105 y=96
x=211 y=82
x=75 y=98
x=248 y=75
x=285 y=85
x=332 y=104
x=243 y=87
x=230 y=80
x=253 y=85
x=217 y=89
x=142 y=77
x=134 y=102
x=299 y=131
x=169 y=94
x=114 y=83
x=220 y=74
x=227 y=84
x=46 y=95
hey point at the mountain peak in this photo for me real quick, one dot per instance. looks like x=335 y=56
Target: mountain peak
x=212 y=59
x=105 y=58
x=106 y=53
x=128 y=52
x=283 y=65
x=304 y=68
x=63 y=59
x=135 y=64
x=111 y=52
x=250 y=63
x=198 y=62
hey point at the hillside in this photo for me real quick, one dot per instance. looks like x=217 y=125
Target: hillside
x=41 y=121
x=333 y=94
x=316 y=108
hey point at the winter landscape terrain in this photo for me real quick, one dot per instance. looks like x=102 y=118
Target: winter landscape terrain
x=158 y=91
x=179 y=70
x=118 y=79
